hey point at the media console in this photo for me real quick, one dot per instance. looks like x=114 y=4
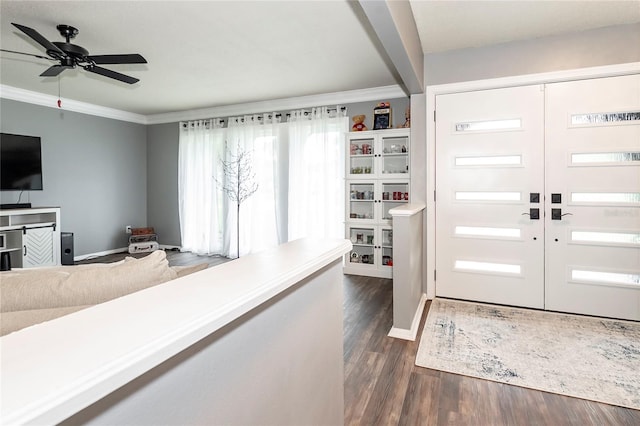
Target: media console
x=30 y=236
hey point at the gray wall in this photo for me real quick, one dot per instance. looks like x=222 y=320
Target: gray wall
x=604 y=46
x=94 y=169
x=162 y=182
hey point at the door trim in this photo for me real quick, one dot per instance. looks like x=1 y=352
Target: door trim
x=494 y=83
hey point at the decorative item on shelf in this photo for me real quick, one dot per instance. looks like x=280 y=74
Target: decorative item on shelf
x=355 y=257
x=369 y=239
x=358 y=123
x=365 y=258
x=366 y=149
x=382 y=116
x=354 y=149
x=407 y=119
x=359 y=238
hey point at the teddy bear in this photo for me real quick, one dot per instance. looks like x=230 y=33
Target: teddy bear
x=358 y=123
x=407 y=119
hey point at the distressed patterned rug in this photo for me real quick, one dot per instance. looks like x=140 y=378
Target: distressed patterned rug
x=584 y=357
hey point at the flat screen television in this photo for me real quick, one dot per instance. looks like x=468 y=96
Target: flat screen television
x=20 y=163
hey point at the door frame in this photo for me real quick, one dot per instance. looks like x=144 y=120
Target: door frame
x=494 y=83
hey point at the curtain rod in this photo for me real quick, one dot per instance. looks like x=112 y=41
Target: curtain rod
x=185 y=124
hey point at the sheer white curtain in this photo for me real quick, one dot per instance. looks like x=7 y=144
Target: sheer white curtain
x=201 y=203
x=316 y=173
x=260 y=215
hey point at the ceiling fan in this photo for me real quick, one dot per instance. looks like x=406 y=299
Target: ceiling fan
x=70 y=55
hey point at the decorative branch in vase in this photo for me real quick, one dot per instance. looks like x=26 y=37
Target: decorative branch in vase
x=239 y=182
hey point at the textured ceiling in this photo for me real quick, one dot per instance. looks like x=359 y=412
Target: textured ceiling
x=212 y=53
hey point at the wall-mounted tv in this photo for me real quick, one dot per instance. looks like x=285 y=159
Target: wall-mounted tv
x=20 y=163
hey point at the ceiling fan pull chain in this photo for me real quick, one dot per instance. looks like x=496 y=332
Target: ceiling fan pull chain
x=59 y=100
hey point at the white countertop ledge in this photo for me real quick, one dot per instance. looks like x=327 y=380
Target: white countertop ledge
x=408 y=209
x=52 y=370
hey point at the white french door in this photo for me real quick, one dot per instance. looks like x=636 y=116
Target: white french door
x=570 y=152
x=593 y=167
x=489 y=160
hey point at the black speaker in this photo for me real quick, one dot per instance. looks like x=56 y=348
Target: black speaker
x=66 y=247
x=5 y=261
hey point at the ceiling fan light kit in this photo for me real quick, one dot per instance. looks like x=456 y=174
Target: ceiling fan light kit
x=69 y=55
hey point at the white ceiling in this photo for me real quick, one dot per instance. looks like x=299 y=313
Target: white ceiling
x=212 y=53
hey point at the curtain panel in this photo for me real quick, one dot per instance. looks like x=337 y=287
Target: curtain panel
x=298 y=166
x=316 y=173
x=201 y=204
x=260 y=216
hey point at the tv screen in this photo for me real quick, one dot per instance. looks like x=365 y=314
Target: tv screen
x=20 y=163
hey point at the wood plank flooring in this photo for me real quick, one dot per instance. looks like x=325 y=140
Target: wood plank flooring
x=384 y=387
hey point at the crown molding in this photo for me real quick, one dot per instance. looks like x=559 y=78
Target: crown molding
x=28 y=96
x=346 y=97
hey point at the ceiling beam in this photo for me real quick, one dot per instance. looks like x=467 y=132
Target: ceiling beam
x=396 y=29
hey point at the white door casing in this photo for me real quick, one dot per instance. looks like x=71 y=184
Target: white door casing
x=489 y=159
x=593 y=163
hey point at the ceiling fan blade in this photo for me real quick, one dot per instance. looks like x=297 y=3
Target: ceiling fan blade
x=28 y=54
x=36 y=36
x=118 y=59
x=54 y=70
x=111 y=74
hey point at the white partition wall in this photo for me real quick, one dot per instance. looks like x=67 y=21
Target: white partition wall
x=254 y=341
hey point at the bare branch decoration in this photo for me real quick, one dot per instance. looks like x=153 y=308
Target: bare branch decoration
x=239 y=182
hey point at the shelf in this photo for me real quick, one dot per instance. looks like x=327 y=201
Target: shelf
x=26 y=225
x=10 y=249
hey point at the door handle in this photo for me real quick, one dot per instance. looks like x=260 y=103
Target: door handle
x=556 y=214
x=534 y=214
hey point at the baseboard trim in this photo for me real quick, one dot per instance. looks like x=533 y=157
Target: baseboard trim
x=412 y=333
x=100 y=253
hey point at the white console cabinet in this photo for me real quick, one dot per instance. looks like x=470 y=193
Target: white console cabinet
x=31 y=236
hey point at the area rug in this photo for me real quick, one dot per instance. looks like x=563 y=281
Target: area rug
x=584 y=357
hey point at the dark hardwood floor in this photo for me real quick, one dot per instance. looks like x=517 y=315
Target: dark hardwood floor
x=384 y=387
x=175 y=258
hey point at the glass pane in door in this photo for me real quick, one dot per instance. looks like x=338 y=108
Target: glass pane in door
x=393 y=195
x=395 y=155
x=361 y=156
x=361 y=201
x=363 y=242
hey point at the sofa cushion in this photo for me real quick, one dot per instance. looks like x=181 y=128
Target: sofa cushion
x=62 y=287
